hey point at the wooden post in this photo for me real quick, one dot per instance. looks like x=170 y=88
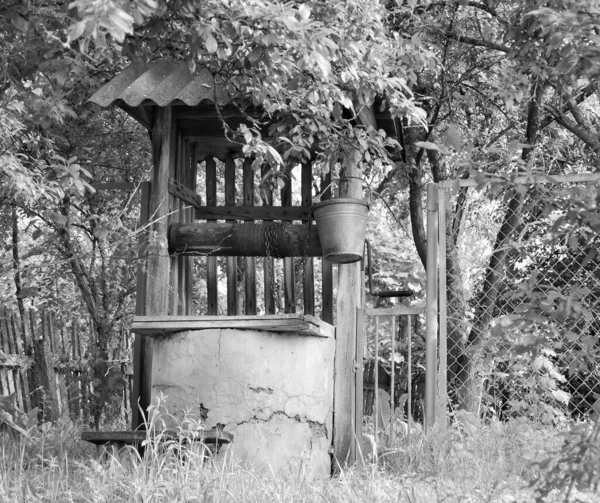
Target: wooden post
x=432 y=306
x=442 y=391
x=348 y=300
x=154 y=297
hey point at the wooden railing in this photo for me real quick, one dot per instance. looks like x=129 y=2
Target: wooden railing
x=233 y=194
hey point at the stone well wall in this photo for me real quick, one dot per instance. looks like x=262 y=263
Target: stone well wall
x=273 y=391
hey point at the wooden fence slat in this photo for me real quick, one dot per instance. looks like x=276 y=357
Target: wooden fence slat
x=212 y=294
x=28 y=337
x=6 y=372
x=44 y=369
x=17 y=327
x=232 y=294
x=250 y=262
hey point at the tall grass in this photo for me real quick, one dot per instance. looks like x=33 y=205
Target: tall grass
x=492 y=462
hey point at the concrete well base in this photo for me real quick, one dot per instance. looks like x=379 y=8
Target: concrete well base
x=273 y=391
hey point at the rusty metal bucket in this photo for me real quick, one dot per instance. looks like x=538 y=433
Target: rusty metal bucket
x=342 y=227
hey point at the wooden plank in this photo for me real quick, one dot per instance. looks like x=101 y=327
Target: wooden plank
x=308 y=285
x=232 y=293
x=289 y=280
x=269 y=262
x=394 y=311
x=5 y=377
x=44 y=369
x=29 y=337
x=249 y=262
x=212 y=293
x=18 y=330
x=290 y=213
x=294 y=323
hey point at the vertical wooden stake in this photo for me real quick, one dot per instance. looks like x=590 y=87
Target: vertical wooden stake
x=432 y=306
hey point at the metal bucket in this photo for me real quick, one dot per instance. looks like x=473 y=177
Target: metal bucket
x=342 y=227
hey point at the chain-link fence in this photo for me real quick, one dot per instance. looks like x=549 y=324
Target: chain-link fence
x=522 y=270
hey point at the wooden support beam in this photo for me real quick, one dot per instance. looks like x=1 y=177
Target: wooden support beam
x=156 y=277
x=245 y=240
x=288 y=213
x=180 y=191
x=350 y=280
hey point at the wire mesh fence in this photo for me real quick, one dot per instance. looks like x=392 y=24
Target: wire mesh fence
x=522 y=270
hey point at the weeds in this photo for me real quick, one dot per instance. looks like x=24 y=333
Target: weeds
x=467 y=461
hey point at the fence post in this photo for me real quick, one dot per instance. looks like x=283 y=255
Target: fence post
x=432 y=305
x=442 y=303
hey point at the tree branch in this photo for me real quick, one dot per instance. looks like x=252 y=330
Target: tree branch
x=488 y=44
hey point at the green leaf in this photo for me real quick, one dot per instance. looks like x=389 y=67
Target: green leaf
x=427 y=145
x=211 y=43
x=452 y=138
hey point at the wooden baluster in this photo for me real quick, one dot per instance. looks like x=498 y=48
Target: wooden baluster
x=289 y=282
x=269 y=262
x=250 y=262
x=212 y=294
x=232 y=294
x=309 y=279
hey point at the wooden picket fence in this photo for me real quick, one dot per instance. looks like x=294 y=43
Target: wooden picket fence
x=44 y=362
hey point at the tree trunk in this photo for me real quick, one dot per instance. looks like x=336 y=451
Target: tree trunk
x=468 y=381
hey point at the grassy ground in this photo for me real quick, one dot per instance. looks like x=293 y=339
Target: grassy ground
x=490 y=463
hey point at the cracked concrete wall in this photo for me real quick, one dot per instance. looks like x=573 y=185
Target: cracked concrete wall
x=273 y=391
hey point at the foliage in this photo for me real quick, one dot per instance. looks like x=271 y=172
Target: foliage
x=311 y=67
